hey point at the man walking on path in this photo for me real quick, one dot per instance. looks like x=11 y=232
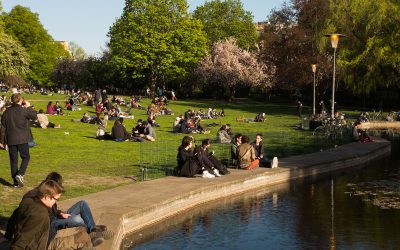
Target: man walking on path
x=16 y=127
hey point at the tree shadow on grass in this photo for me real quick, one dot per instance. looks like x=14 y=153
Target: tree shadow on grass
x=91 y=137
x=271 y=108
x=3 y=223
x=5 y=183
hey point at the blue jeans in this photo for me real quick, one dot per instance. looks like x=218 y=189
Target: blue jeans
x=80 y=216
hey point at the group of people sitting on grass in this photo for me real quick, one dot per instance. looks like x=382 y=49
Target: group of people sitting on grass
x=159 y=106
x=190 y=122
x=199 y=160
x=261 y=117
x=211 y=113
x=37 y=223
x=188 y=125
x=142 y=131
x=55 y=109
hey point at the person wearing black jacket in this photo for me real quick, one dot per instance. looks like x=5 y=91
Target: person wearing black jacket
x=211 y=163
x=190 y=163
x=259 y=152
x=119 y=131
x=16 y=126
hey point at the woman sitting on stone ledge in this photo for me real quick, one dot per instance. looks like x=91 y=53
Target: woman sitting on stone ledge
x=360 y=134
x=247 y=155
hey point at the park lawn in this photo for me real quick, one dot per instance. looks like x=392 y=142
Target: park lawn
x=89 y=165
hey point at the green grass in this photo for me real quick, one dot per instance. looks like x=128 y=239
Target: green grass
x=89 y=165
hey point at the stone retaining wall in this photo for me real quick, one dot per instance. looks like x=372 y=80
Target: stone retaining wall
x=380 y=125
x=130 y=208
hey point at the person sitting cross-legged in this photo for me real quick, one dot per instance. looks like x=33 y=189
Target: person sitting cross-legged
x=119 y=132
x=246 y=155
x=149 y=133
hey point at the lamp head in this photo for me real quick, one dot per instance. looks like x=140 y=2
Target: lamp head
x=314 y=67
x=334 y=39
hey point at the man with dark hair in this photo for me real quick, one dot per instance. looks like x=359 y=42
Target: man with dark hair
x=237 y=140
x=67 y=229
x=138 y=129
x=119 y=132
x=32 y=218
x=214 y=165
x=190 y=163
x=16 y=126
x=259 y=151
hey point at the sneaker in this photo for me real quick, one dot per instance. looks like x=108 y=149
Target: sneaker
x=274 y=162
x=105 y=235
x=20 y=180
x=206 y=174
x=216 y=172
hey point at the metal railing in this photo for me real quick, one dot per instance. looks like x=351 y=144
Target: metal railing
x=159 y=158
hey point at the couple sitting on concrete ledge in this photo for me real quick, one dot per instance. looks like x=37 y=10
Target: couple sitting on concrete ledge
x=246 y=155
x=38 y=224
x=201 y=161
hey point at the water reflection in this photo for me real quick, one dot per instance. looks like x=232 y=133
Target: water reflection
x=303 y=215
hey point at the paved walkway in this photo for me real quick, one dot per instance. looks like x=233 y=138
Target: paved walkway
x=132 y=207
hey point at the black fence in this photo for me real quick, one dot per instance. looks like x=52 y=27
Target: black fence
x=159 y=158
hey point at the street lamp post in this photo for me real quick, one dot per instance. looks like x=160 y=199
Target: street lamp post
x=334 y=42
x=314 y=70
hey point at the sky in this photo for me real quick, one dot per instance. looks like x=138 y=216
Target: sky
x=87 y=22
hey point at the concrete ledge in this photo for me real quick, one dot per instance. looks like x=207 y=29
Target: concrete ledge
x=380 y=125
x=135 y=206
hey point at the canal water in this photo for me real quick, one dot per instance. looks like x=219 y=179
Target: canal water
x=356 y=209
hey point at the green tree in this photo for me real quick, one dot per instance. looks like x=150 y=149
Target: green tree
x=14 y=61
x=156 y=41
x=24 y=26
x=224 y=19
x=369 y=56
x=76 y=51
